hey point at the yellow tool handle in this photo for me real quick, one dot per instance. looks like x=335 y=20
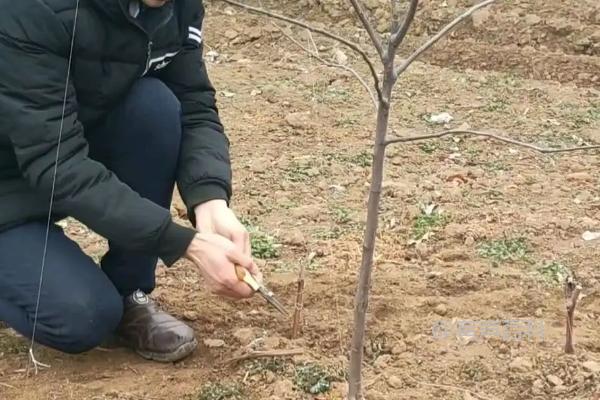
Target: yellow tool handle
x=244 y=276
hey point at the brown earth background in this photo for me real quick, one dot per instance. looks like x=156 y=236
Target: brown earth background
x=506 y=224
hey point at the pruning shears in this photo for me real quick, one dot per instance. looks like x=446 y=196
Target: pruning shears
x=245 y=276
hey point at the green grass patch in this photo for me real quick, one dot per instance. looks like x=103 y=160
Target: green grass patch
x=362 y=159
x=275 y=365
x=507 y=249
x=264 y=246
x=428 y=222
x=429 y=147
x=301 y=172
x=554 y=273
x=221 y=391
x=341 y=215
x=313 y=379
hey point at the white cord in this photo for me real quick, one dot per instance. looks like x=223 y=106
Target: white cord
x=32 y=359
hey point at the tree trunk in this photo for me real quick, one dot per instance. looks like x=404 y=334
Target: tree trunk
x=364 y=281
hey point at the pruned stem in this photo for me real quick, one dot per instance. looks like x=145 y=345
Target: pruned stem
x=323 y=32
x=439 y=36
x=491 y=136
x=572 y=292
x=375 y=38
x=297 y=323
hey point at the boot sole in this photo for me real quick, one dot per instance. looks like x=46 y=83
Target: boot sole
x=178 y=354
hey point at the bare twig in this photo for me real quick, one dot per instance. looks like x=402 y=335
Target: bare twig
x=450 y=387
x=398 y=36
x=491 y=136
x=264 y=354
x=323 y=32
x=6 y=385
x=375 y=38
x=330 y=64
x=439 y=36
x=297 y=323
x=572 y=292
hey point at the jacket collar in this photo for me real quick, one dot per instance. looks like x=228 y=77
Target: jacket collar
x=118 y=10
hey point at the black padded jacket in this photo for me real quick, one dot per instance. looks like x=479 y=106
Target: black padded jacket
x=111 y=51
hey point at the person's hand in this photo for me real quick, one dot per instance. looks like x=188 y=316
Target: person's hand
x=215 y=217
x=216 y=258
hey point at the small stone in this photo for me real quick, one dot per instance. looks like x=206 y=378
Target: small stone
x=294 y=237
x=580 y=177
x=190 y=315
x=538 y=387
x=299 y=120
x=591 y=366
x=340 y=389
x=271 y=342
x=554 y=380
x=312 y=212
x=532 y=19
x=244 y=335
x=521 y=364
x=282 y=389
x=395 y=382
x=469 y=241
x=231 y=34
x=214 y=343
x=539 y=313
x=441 y=309
x=382 y=361
x=481 y=17
x=399 y=348
x=373 y=395
x=270 y=376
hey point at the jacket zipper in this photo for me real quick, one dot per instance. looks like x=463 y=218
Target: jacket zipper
x=148 y=57
x=150 y=42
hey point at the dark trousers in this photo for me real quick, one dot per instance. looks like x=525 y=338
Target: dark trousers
x=81 y=304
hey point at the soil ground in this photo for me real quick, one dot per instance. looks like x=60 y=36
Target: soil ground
x=471 y=230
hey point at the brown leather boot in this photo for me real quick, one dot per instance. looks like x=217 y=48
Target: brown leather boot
x=152 y=333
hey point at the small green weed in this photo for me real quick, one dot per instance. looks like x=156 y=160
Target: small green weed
x=325 y=94
x=345 y=122
x=300 y=172
x=496 y=166
x=220 y=391
x=275 y=365
x=328 y=234
x=427 y=222
x=554 y=273
x=264 y=245
x=429 y=147
x=496 y=104
x=362 y=159
x=313 y=379
x=507 y=249
x=341 y=215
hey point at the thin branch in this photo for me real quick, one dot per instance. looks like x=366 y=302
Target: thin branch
x=439 y=36
x=330 y=64
x=546 y=150
x=323 y=32
x=375 y=38
x=398 y=37
x=6 y=385
x=264 y=354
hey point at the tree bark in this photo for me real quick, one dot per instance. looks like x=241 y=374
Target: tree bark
x=366 y=268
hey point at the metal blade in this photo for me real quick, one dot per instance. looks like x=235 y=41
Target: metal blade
x=270 y=298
